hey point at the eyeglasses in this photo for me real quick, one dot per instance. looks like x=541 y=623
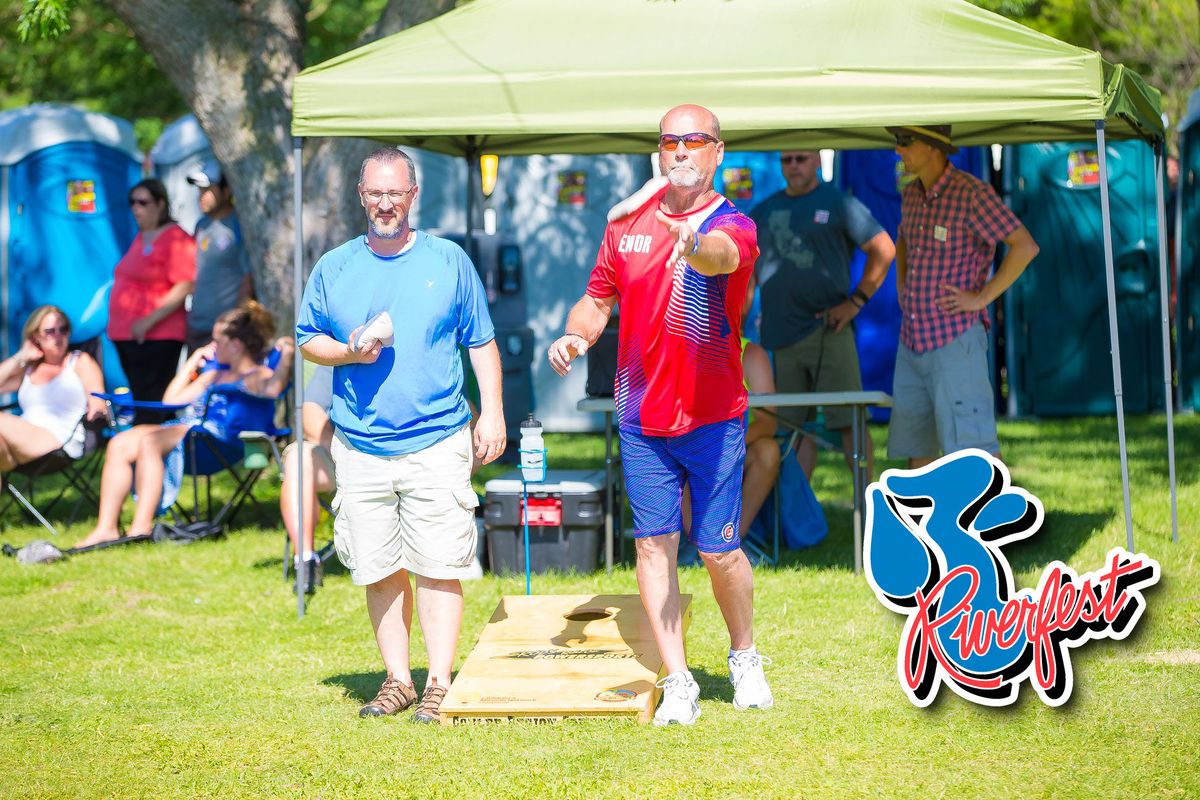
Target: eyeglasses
x=800 y=159
x=904 y=139
x=61 y=330
x=692 y=141
x=140 y=202
x=375 y=197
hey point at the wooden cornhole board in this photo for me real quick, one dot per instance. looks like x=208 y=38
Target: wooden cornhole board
x=545 y=657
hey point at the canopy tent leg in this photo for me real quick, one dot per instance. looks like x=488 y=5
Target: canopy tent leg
x=1160 y=161
x=1110 y=279
x=298 y=369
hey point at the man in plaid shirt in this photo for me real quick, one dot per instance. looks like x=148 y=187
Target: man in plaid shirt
x=950 y=225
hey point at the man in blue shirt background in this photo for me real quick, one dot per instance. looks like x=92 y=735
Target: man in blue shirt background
x=402 y=441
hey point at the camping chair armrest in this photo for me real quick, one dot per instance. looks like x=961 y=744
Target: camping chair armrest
x=256 y=444
x=123 y=400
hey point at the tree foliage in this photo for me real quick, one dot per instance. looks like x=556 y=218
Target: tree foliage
x=1160 y=39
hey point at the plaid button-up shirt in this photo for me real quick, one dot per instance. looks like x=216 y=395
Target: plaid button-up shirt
x=950 y=235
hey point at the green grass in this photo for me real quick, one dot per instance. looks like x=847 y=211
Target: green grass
x=183 y=671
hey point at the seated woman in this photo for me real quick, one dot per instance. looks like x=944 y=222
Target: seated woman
x=241 y=337
x=53 y=386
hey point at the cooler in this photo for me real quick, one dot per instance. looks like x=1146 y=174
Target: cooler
x=566 y=521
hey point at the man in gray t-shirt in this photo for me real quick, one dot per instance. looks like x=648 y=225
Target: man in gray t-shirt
x=807 y=234
x=222 y=269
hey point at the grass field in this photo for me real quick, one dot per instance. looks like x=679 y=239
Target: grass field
x=183 y=671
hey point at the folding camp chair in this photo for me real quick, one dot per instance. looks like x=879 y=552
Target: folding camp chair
x=244 y=452
x=79 y=474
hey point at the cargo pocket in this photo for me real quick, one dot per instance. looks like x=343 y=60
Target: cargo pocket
x=341 y=544
x=973 y=425
x=468 y=501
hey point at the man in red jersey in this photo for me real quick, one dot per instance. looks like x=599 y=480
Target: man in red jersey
x=679 y=266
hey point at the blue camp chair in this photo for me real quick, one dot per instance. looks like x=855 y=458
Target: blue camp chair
x=242 y=446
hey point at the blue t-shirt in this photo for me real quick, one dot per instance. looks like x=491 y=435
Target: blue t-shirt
x=412 y=397
x=804 y=266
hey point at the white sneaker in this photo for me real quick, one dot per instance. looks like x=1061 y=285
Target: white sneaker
x=678 y=704
x=750 y=688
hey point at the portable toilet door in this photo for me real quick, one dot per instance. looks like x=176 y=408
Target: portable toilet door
x=65 y=176
x=1187 y=253
x=1058 y=311
x=555 y=209
x=875 y=178
x=181 y=149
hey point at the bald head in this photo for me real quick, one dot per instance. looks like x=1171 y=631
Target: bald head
x=700 y=119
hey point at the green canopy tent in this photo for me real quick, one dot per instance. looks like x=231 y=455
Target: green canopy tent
x=517 y=77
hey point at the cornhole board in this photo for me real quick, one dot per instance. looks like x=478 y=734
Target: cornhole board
x=545 y=657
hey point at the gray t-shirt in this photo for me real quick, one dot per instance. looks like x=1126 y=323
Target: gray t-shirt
x=220 y=265
x=318 y=387
x=803 y=268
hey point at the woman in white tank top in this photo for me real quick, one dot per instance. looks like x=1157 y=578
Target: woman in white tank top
x=54 y=390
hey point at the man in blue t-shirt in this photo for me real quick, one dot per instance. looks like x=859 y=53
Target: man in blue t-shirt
x=807 y=233
x=402 y=443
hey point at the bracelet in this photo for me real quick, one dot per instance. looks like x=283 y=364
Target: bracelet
x=695 y=244
x=578 y=335
x=861 y=295
x=854 y=301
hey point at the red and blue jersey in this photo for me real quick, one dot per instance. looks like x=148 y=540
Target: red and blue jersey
x=679 y=350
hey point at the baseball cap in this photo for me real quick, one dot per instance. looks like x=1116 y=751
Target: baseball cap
x=208 y=174
x=934 y=135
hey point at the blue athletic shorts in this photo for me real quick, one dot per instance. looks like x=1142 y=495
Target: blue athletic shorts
x=710 y=460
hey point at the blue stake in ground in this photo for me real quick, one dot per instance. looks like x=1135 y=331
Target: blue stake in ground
x=532 y=450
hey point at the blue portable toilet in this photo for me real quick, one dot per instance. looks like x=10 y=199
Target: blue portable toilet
x=748 y=178
x=1187 y=255
x=65 y=175
x=1057 y=313
x=181 y=149
x=875 y=178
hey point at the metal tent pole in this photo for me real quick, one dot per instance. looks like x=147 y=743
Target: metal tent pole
x=1110 y=279
x=1164 y=288
x=298 y=365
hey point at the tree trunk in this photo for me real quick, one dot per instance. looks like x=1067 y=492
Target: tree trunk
x=234 y=63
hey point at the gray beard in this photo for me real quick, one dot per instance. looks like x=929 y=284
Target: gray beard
x=684 y=177
x=400 y=230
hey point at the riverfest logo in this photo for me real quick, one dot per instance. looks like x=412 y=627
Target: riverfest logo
x=933 y=553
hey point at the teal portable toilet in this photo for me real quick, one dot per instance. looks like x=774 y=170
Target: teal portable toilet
x=65 y=175
x=1187 y=254
x=1059 y=354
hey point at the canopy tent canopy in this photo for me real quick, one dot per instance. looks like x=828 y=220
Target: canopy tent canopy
x=521 y=77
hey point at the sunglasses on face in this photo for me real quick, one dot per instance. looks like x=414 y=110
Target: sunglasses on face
x=139 y=202
x=61 y=330
x=803 y=159
x=904 y=139
x=692 y=141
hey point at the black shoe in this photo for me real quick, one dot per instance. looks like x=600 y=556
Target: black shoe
x=314 y=575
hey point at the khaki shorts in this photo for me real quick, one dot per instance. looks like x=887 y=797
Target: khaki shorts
x=942 y=400
x=414 y=512
x=823 y=361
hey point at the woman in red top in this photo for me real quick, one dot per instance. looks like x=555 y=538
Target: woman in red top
x=146 y=320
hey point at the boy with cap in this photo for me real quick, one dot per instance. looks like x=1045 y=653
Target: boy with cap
x=222 y=270
x=950 y=224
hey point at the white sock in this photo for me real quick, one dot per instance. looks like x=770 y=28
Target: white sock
x=733 y=653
